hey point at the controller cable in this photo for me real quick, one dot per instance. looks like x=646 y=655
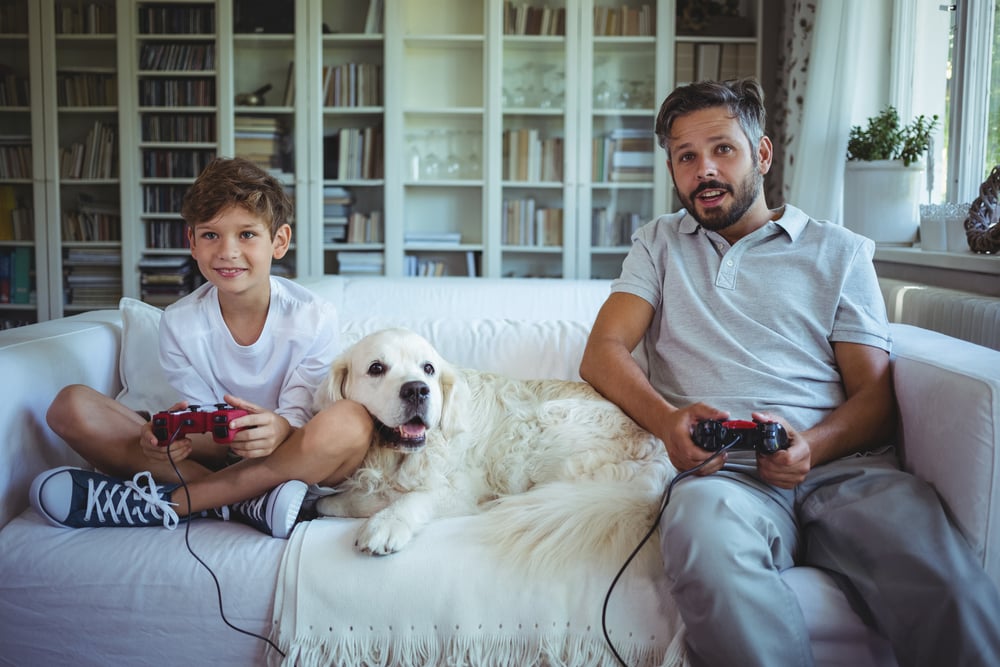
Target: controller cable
x=187 y=543
x=656 y=522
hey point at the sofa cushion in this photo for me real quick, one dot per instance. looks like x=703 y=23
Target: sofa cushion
x=144 y=386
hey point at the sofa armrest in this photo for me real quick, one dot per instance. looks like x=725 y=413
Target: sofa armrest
x=37 y=361
x=948 y=392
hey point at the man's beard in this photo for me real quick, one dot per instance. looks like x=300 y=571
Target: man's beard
x=718 y=218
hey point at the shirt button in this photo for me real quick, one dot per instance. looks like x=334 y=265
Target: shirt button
x=729 y=262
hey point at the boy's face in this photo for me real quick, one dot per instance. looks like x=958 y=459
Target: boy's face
x=234 y=250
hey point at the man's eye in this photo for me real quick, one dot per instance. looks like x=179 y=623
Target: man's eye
x=376 y=368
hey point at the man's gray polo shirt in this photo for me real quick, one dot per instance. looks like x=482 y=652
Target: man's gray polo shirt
x=751 y=327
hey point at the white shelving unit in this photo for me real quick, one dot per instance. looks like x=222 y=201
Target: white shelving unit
x=458 y=119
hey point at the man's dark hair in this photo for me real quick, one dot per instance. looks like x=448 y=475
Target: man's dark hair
x=744 y=99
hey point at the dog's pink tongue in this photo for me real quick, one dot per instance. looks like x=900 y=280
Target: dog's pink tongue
x=412 y=430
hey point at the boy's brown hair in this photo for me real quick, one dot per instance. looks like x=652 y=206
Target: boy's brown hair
x=236 y=181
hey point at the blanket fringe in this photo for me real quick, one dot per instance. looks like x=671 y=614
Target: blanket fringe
x=554 y=650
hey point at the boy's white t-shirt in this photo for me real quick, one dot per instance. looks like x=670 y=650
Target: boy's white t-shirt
x=279 y=372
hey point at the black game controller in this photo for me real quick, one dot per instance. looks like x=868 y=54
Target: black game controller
x=764 y=437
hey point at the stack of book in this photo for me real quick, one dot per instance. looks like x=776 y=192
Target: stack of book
x=623 y=155
x=337 y=202
x=258 y=139
x=93 y=276
x=353 y=263
x=166 y=278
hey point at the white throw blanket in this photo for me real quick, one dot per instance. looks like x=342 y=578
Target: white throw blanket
x=448 y=600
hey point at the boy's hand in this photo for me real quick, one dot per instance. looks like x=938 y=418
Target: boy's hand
x=157 y=451
x=261 y=431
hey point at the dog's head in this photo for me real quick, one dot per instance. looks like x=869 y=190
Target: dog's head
x=402 y=381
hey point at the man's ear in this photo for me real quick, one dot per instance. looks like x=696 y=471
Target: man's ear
x=765 y=153
x=282 y=239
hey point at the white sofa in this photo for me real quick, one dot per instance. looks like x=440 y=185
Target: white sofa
x=137 y=597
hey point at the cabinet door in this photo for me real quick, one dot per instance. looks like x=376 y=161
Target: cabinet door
x=83 y=166
x=176 y=94
x=348 y=82
x=23 y=258
x=538 y=84
x=440 y=96
x=259 y=117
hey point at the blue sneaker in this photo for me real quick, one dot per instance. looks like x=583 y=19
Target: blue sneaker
x=77 y=498
x=275 y=512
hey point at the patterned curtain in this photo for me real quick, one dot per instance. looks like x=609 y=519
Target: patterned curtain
x=785 y=112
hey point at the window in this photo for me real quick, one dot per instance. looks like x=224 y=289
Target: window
x=947 y=62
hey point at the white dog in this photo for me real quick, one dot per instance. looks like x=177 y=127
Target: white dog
x=560 y=468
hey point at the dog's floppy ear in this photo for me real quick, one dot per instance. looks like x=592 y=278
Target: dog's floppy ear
x=455 y=400
x=332 y=387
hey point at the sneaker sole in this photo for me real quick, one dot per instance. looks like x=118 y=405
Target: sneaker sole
x=291 y=512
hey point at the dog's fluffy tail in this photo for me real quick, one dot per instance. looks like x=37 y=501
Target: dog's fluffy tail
x=557 y=526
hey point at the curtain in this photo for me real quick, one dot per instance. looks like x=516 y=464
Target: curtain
x=824 y=49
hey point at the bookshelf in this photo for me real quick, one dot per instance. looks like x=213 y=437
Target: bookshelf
x=427 y=137
x=22 y=198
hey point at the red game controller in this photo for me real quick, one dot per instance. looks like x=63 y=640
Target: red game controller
x=167 y=426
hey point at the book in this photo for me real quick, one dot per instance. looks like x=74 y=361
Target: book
x=709 y=55
x=20 y=277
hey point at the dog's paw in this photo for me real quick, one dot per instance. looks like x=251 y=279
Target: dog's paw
x=383 y=535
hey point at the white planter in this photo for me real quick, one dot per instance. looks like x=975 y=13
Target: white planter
x=882 y=200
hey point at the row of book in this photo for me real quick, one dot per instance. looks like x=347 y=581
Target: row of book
x=623 y=155
x=162 y=198
x=429 y=267
x=180 y=128
x=17 y=267
x=353 y=153
x=96 y=157
x=521 y=18
x=177 y=92
x=158 y=163
x=176 y=20
x=92 y=221
x=527 y=156
x=714 y=61
x=13 y=18
x=76 y=88
x=625 y=21
x=15 y=156
x=16 y=215
x=173 y=57
x=14 y=90
x=259 y=139
x=352 y=85
x=610 y=230
x=166 y=234
x=526 y=224
x=92 y=18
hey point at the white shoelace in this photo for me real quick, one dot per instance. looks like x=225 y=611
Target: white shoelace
x=253 y=508
x=115 y=500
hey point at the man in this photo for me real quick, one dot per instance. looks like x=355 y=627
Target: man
x=745 y=311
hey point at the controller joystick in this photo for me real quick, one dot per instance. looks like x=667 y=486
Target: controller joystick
x=763 y=437
x=170 y=425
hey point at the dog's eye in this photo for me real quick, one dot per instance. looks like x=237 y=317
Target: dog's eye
x=376 y=368
x=429 y=369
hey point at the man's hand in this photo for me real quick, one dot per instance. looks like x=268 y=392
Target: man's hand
x=261 y=431
x=675 y=430
x=786 y=468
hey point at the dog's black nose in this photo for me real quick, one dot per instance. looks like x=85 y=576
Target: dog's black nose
x=415 y=392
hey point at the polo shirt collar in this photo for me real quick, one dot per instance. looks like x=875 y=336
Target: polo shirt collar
x=792 y=220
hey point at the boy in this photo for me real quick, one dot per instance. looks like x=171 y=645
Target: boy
x=260 y=343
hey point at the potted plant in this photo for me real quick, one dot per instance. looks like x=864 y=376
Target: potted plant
x=885 y=175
